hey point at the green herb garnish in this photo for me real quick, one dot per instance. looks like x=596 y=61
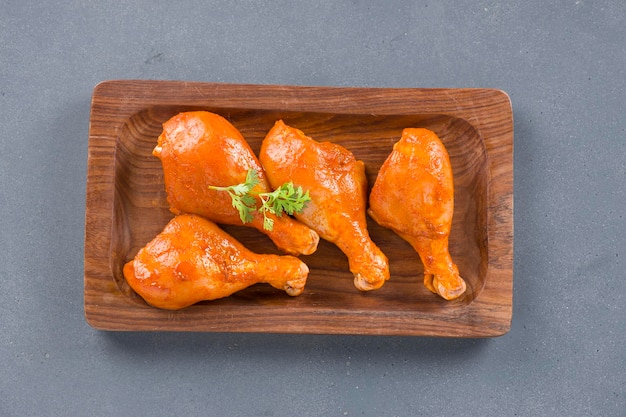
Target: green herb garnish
x=285 y=199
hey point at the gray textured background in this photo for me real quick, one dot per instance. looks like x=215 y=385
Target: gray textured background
x=563 y=65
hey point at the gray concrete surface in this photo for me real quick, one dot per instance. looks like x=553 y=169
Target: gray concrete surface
x=563 y=65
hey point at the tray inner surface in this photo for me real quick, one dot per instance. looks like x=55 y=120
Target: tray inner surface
x=141 y=209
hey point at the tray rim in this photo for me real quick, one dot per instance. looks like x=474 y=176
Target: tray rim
x=486 y=316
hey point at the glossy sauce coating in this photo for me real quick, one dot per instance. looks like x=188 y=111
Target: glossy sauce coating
x=414 y=196
x=201 y=149
x=194 y=260
x=338 y=189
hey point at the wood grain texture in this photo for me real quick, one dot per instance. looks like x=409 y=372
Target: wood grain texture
x=126 y=207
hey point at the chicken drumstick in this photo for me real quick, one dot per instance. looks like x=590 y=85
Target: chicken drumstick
x=202 y=149
x=414 y=196
x=193 y=260
x=338 y=190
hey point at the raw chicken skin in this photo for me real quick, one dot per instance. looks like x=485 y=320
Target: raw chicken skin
x=194 y=260
x=201 y=149
x=414 y=196
x=338 y=189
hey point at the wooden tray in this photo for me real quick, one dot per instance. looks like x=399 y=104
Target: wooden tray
x=126 y=207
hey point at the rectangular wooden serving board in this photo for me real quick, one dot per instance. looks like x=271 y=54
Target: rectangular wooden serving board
x=126 y=207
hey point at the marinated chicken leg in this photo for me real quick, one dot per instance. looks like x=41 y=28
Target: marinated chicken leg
x=194 y=260
x=414 y=196
x=202 y=149
x=337 y=186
